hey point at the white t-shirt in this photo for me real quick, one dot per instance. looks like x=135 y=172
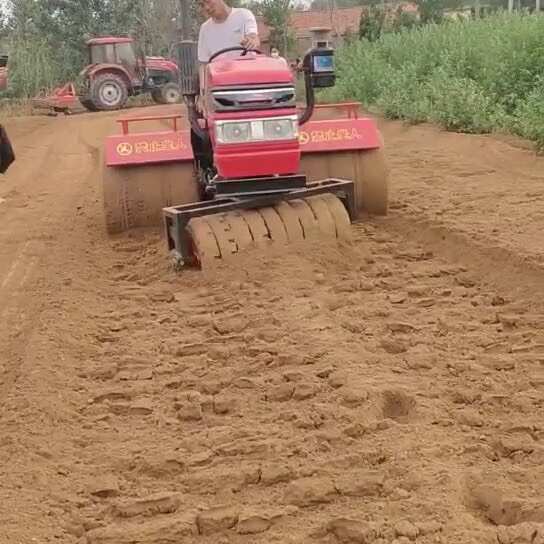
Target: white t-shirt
x=216 y=36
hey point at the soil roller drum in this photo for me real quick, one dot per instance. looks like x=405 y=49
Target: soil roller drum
x=246 y=167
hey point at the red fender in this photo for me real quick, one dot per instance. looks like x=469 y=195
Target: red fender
x=95 y=70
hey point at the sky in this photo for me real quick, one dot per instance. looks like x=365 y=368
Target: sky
x=4 y=8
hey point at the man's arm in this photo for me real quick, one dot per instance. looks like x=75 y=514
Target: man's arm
x=251 y=31
x=201 y=76
x=203 y=58
x=251 y=41
x=203 y=48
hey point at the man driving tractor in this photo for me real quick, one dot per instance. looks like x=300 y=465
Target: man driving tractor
x=225 y=27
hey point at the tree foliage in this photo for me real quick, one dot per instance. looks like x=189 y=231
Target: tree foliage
x=372 y=23
x=431 y=11
x=329 y=4
x=276 y=15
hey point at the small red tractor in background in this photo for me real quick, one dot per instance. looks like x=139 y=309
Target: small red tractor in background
x=116 y=72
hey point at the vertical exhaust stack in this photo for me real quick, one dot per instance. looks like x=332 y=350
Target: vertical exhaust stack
x=186 y=54
x=187 y=60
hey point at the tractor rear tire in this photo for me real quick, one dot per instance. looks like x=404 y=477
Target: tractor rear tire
x=367 y=168
x=134 y=196
x=109 y=92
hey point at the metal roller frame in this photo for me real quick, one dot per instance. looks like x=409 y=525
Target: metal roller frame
x=176 y=218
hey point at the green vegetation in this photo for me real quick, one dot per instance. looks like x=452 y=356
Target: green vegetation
x=469 y=76
x=276 y=16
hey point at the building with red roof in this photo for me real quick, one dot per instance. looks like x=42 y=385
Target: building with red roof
x=340 y=22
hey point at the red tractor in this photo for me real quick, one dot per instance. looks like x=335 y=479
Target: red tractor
x=252 y=168
x=116 y=72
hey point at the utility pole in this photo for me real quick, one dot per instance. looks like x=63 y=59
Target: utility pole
x=185 y=15
x=510 y=6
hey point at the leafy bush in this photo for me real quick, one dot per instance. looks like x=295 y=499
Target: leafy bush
x=472 y=76
x=528 y=119
x=33 y=65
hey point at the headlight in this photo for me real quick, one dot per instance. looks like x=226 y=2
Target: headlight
x=279 y=129
x=236 y=132
x=257 y=130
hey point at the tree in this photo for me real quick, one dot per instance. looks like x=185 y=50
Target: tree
x=194 y=21
x=372 y=23
x=430 y=11
x=276 y=14
x=350 y=36
x=404 y=19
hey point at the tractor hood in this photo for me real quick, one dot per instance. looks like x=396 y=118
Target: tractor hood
x=160 y=64
x=250 y=70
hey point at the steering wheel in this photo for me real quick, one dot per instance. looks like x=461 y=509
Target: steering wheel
x=236 y=48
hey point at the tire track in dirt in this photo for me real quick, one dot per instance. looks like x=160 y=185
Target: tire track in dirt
x=32 y=223
x=515 y=274
x=286 y=409
x=488 y=191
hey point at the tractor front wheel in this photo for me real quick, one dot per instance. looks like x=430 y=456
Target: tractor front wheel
x=169 y=93
x=109 y=92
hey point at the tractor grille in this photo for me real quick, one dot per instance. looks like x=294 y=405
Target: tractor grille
x=253 y=99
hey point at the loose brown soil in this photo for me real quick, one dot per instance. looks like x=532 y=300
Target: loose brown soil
x=385 y=390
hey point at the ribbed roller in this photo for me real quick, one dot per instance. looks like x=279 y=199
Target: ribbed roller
x=225 y=235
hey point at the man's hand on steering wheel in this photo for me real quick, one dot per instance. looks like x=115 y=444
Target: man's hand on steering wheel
x=251 y=41
x=244 y=51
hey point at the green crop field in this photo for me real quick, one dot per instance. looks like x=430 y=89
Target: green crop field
x=473 y=76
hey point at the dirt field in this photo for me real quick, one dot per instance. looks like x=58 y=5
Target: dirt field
x=390 y=390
